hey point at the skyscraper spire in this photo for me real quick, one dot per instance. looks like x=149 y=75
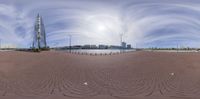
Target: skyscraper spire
x=39 y=41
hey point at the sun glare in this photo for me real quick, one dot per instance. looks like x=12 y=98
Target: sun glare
x=101 y=28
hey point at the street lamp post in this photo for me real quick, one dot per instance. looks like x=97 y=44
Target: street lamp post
x=177 y=47
x=70 y=40
x=136 y=46
x=121 y=40
x=0 y=43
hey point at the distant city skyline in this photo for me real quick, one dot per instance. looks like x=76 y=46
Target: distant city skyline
x=145 y=23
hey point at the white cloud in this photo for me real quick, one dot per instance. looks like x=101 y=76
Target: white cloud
x=138 y=20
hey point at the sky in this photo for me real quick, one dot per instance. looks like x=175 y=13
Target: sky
x=143 y=23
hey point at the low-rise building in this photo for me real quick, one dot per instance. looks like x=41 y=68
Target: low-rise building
x=103 y=47
x=93 y=47
x=123 y=45
x=129 y=46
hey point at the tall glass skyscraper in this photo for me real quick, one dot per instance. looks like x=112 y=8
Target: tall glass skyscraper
x=39 y=41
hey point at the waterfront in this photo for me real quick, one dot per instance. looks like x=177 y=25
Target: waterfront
x=99 y=51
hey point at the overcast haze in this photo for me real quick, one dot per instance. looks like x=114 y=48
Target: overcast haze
x=148 y=23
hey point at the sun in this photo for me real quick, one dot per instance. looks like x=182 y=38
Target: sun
x=101 y=27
